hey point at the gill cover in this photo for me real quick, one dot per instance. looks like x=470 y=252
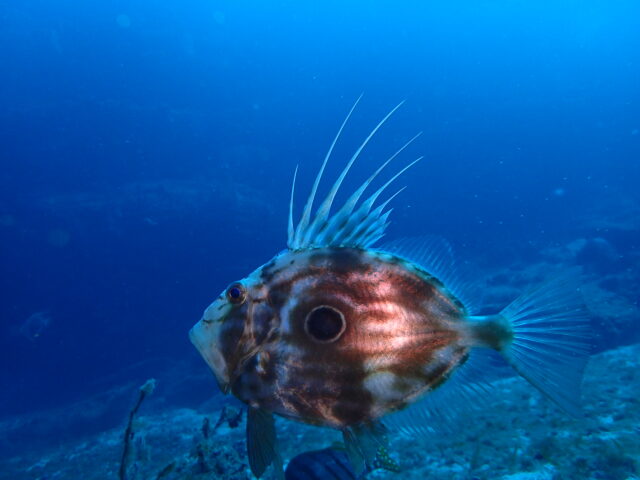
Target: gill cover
x=233 y=329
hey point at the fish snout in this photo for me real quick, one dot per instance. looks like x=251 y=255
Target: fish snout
x=205 y=335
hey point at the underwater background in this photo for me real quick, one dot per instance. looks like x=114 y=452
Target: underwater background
x=147 y=150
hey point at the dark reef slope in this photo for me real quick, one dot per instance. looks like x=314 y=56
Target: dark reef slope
x=519 y=435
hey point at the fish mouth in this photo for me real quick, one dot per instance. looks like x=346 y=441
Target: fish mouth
x=204 y=336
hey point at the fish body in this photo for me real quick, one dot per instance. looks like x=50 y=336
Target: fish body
x=336 y=332
x=339 y=336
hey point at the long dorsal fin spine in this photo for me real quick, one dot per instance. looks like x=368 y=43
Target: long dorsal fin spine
x=324 y=209
x=378 y=232
x=306 y=215
x=357 y=223
x=392 y=179
x=366 y=206
x=290 y=228
x=341 y=218
x=363 y=228
x=364 y=210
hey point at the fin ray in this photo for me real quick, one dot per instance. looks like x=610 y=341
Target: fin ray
x=550 y=345
x=337 y=224
x=442 y=409
x=306 y=215
x=261 y=442
x=323 y=212
x=352 y=225
x=290 y=228
x=435 y=255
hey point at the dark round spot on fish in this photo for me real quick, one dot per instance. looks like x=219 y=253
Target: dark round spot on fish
x=325 y=324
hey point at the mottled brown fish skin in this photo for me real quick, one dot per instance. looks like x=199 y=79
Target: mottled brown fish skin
x=403 y=336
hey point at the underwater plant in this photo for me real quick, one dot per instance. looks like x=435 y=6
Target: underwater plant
x=145 y=390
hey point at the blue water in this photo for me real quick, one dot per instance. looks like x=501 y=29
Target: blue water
x=148 y=149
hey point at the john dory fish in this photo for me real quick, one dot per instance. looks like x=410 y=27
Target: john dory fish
x=336 y=332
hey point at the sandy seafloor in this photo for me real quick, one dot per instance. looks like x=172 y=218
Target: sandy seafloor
x=517 y=435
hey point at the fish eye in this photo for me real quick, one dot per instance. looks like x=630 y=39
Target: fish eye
x=325 y=324
x=236 y=293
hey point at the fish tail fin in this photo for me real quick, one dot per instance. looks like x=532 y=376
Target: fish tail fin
x=549 y=341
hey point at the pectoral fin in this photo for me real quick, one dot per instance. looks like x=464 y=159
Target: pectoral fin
x=261 y=443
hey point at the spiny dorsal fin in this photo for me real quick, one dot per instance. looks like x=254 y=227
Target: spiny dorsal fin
x=306 y=214
x=351 y=225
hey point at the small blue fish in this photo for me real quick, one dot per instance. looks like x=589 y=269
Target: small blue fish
x=333 y=463
x=325 y=464
x=338 y=333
